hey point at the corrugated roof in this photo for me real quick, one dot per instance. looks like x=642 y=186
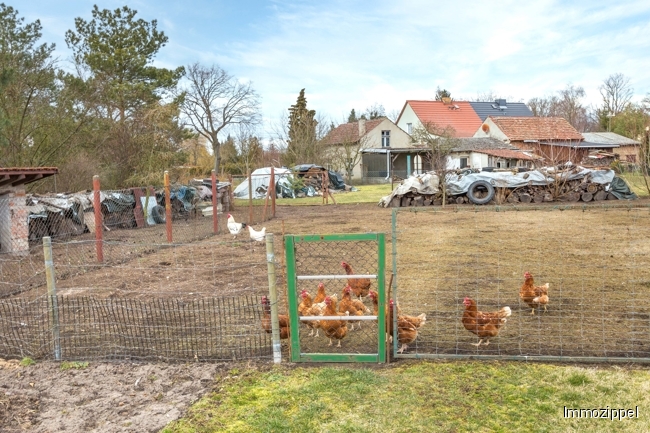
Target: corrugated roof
x=349 y=132
x=609 y=138
x=458 y=114
x=512 y=109
x=536 y=128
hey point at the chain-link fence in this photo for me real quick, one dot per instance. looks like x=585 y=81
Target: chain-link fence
x=595 y=259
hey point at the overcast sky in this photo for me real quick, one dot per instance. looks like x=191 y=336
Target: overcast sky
x=350 y=54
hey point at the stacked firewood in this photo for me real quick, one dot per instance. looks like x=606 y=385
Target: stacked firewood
x=569 y=190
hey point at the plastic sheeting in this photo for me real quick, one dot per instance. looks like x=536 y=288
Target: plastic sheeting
x=427 y=183
x=260 y=180
x=459 y=184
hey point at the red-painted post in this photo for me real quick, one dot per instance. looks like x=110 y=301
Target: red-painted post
x=99 y=223
x=168 y=207
x=215 y=220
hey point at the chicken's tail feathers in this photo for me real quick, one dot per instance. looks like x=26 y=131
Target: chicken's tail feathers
x=541 y=299
x=505 y=312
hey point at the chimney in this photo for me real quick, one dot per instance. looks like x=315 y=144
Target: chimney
x=362 y=127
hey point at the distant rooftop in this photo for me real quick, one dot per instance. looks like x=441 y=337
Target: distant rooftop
x=457 y=114
x=609 y=138
x=501 y=107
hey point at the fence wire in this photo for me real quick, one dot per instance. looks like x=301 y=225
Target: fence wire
x=595 y=259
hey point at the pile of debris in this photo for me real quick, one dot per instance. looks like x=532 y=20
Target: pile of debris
x=547 y=184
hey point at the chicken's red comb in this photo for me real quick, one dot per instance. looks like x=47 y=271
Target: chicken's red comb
x=343 y=264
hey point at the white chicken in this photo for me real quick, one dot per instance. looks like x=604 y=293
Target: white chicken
x=234 y=227
x=257 y=235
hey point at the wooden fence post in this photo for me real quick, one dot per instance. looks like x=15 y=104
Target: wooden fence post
x=99 y=221
x=250 y=198
x=168 y=207
x=273 y=298
x=272 y=188
x=51 y=291
x=215 y=220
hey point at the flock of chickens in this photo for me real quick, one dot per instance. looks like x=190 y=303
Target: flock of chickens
x=487 y=325
x=327 y=308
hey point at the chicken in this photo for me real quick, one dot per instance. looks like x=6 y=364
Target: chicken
x=308 y=308
x=407 y=326
x=484 y=325
x=283 y=319
x=234 y=227
x=320 y=294
x=337 y=329
x=360 y=286
x=534 y=296
x=374 y=296
x=257 y=235
x=353 y=306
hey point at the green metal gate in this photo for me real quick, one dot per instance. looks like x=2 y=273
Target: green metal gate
x=314 y=259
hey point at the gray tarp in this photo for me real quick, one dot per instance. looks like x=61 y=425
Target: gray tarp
x=426 y=183
x=260 y=179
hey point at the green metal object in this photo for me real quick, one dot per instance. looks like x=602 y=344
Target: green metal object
x=292 y=284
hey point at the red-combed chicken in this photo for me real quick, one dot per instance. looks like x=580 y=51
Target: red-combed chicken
x=353 y=306
x=283 y=319
x=407 y=326
x=484 y=325
x=374 y=296
x=305 y=308
x=320 y=294
x=360 y=286
x=336 y=329
x=534 y=296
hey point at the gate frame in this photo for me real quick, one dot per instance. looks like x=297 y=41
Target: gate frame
x=292 y=299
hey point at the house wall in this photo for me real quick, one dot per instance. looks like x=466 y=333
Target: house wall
x=408 y=116
x=624 y=151
x=474 y=160
x=553 y=154
x=372 y=140
x=493 y=131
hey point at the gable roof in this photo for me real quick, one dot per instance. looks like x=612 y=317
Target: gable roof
x=536 y=128
x=609 y=138
x=458 y=114
x=501 y=107
x=349 y=132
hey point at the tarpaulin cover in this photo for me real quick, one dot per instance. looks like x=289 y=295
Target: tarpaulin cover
x=427 y=183
x=260 y=180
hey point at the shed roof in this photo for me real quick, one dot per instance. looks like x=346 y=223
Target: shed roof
x=475 y=143
x=16 y=176
x=507 y=153
x=536 y=128
x=609 y=138
x=458 y=114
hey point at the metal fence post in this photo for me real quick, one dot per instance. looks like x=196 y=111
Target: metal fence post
x=273 y=297
x=168 y=208
x=250 y=198
x=51 y=291
x=99 y=224
x=215 y=220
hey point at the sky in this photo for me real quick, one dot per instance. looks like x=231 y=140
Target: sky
x=350 y=54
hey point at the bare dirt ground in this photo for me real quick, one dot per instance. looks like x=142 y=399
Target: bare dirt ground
x=139 y=397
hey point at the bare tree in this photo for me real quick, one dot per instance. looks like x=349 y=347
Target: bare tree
x=567 y=105
x=216 y=100
x=544 y=107
x=616 y=93
x=440 y=141
x=347 y=154
x=488 y=96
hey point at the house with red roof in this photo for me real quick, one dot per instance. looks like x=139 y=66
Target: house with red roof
x=487 y=152
x=551 y=138
x=385 y=150
x=457 y=116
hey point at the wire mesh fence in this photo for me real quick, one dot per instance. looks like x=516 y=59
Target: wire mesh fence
x=198 y=301
x=595 y=259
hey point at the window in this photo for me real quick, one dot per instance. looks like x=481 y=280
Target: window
x=417 y=164
x=409 y=128
x=463 y=162
x=385 y=138
x=630 y=158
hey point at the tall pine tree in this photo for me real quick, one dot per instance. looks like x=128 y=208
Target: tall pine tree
x=302 y=144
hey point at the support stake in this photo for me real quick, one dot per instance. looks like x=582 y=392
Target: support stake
x=51 y=291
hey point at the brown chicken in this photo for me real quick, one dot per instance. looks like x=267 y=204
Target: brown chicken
x=353 y=306
x=320 y=294
x=360 y=286
x=407 y=326
x=306 y=308
x=283 y=319
x=336 y=329
x=374 y=296
x=534 y=296
x=484 y=325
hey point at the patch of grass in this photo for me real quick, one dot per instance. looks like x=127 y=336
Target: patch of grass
x=636 y=182
x=364 y=194
x=27 y=361
x=420 y=396
x=67 y=365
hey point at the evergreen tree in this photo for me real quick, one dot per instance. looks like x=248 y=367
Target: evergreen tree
x=301 y=144
x=352 y=117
